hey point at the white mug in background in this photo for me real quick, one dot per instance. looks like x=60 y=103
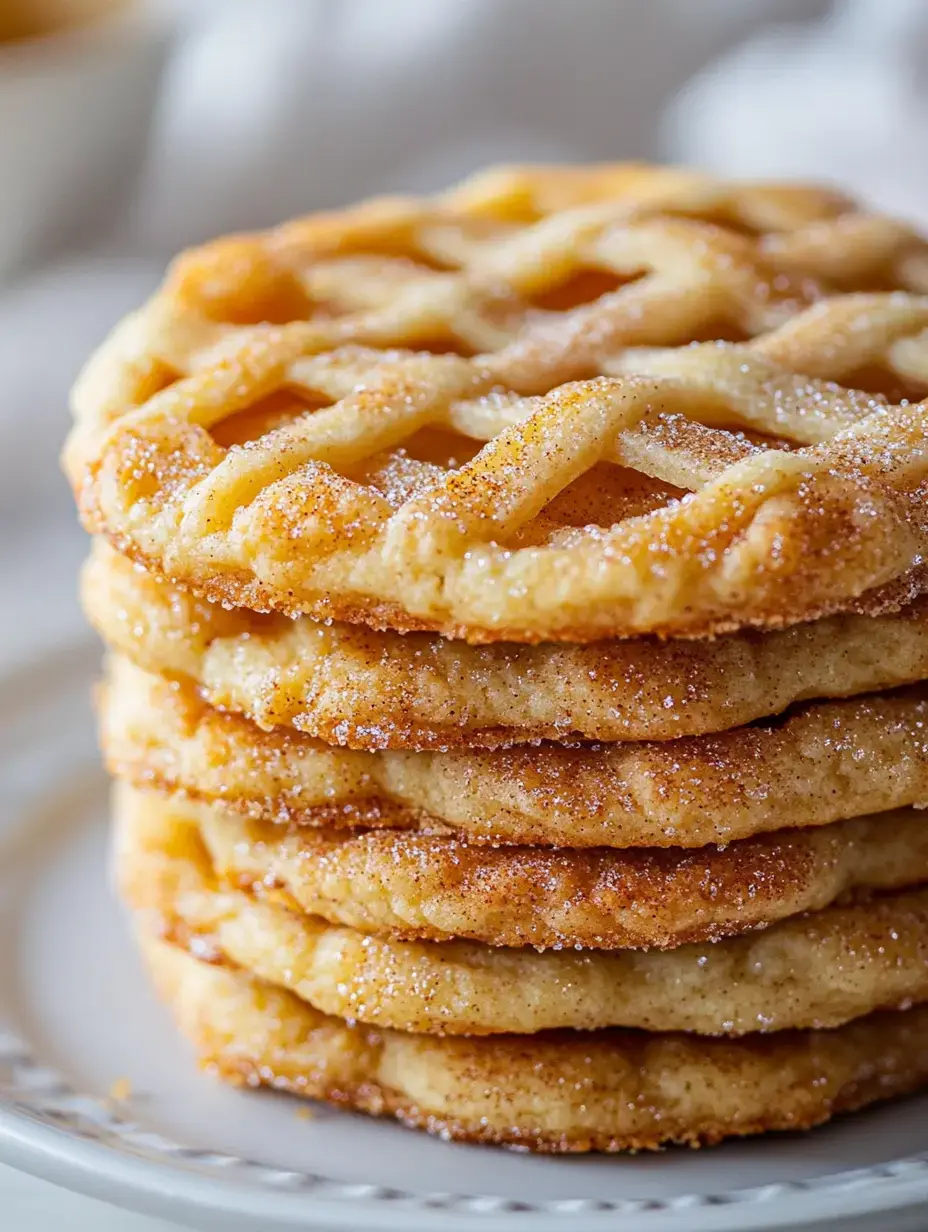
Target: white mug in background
x=76 y=103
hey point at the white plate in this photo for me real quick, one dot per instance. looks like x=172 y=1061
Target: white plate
x=76 y=1016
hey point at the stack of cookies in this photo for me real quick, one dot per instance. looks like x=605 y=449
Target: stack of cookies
x=514 y=604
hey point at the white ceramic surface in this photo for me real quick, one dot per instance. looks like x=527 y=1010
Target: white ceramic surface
x=76 y=1016
x=75 y=111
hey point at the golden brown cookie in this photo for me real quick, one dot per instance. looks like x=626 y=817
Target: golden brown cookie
x=560 y=1091
x=819 y=764
x=426 y=887
x=817 y=971
x=352 y=686
x=255 y=433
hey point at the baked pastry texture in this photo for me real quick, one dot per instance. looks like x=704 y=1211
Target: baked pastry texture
x=486 y=415
x=820 y=970
x=516 y=605
x=558 y=1092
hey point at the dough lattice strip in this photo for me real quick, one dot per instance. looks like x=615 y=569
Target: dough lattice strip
x=776 y=495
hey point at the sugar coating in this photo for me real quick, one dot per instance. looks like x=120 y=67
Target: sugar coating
x=293 y=422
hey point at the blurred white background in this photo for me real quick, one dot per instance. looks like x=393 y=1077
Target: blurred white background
x=267 y=108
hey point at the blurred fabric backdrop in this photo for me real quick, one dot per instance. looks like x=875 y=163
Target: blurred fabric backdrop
x=272 y=107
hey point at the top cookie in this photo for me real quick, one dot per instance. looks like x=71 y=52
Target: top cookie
x=614 y=411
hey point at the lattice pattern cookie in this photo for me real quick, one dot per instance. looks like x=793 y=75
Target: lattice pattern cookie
x=254 y=433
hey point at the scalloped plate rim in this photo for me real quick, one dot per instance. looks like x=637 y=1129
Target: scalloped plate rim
x=100 y=1171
